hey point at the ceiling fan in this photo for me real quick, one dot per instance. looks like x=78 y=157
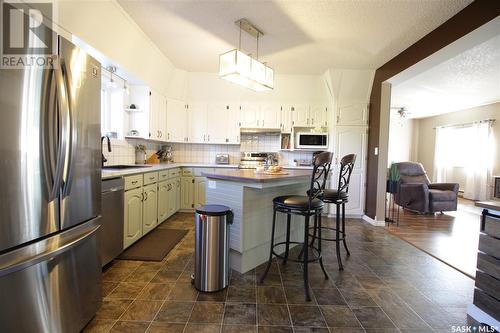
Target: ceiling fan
x=401 y=111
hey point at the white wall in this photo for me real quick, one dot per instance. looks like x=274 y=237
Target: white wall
x=208 y=87
x=105 y=26
x=402 y=147
x=427 y=133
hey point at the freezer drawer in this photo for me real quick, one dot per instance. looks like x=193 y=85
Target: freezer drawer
x=53 y=285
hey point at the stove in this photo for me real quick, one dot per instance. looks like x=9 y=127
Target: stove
x=252 y=160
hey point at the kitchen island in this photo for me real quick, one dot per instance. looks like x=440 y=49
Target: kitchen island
x=250 y=196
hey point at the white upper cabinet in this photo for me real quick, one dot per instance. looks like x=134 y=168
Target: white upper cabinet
x=318 y=115
x=233 y=124
x=250 y=115
x=315 y=115
x=177 y=121
x=355 y=114
x=217 y=123
x=197 y=122
x=300 y=115
x=286 y=119
x=255 y=115
x=269 y=116
x=157 y=116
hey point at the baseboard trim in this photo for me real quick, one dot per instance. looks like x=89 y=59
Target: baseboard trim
x=373 y=222
x=349 y=216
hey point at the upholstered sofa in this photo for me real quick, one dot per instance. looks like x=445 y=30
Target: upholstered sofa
x=415 y=191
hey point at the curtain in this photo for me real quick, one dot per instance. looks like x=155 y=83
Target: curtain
x=468 y=148
x=441 y=154
x=479 y=162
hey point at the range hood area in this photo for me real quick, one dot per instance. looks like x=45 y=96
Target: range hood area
x=260 y=130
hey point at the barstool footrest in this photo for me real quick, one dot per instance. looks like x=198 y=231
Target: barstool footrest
x=315 y=256
x=329 y=239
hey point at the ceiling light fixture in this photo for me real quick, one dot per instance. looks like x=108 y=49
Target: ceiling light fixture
x=111 y=83
x=237 y=67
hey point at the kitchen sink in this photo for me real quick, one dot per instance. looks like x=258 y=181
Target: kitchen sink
x=124 y=166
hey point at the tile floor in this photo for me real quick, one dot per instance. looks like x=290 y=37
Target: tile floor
x=387 y=286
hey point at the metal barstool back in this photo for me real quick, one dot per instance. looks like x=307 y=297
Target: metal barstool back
x=321 y=168
x=346 y=166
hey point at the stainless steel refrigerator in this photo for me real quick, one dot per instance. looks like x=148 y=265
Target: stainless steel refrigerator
x=50 y=194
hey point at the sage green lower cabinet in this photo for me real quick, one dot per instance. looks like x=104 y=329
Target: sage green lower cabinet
x=133 y=216
x=177 y=190
x=149 y=205
x=192 y=192
x=199 y=191
x=150 y=208
x=163 y=201
x=187 y=193
x=171 y=197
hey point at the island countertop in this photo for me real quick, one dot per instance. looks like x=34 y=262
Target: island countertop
x=250 y=176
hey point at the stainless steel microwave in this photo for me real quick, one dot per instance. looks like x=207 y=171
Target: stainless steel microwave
x=304 y=140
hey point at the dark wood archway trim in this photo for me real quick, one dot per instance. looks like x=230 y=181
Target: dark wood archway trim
x=470 y=18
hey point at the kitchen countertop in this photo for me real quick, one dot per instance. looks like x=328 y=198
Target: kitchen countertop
x=114 y=173
x=490 y=204
x=249 y=176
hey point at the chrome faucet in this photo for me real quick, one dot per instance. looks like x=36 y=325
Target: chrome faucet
x=104 y=160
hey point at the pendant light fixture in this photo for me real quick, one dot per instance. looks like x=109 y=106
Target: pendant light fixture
x=237 y=67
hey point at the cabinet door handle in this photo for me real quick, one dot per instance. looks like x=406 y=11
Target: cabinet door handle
x=208 y=137
x=203 y=137
x=262 y=122
x=152 y=177
x=145 y=196
x=312 y=121
x=134 y=182
x=168 y=136
x=237 y=138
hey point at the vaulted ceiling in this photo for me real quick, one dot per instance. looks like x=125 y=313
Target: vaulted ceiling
x=301 y=37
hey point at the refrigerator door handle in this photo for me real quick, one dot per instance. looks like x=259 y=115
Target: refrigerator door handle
x=65 y=126
x=49 y=135
x=69 y=159
x=46 y=249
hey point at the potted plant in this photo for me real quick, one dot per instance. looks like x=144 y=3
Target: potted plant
x=140 y=154
x=393 y=179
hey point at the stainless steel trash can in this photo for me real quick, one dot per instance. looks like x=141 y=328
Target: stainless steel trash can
x=211 y=271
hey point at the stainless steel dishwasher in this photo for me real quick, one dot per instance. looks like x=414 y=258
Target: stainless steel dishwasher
x=110 y=236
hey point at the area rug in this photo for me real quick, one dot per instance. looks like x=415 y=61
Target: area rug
x=154 y=246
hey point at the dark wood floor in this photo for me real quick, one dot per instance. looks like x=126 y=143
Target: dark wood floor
x=388 y=285
x=452 y=237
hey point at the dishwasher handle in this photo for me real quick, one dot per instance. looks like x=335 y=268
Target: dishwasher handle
x=113 y=189
x=112 y=185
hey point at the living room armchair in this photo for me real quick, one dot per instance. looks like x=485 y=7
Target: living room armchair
x=415 y=191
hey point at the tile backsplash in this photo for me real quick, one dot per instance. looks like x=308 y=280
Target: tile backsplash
x=123 y=151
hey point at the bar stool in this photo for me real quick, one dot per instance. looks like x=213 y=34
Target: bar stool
x=306 y=206
x=339 y=198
